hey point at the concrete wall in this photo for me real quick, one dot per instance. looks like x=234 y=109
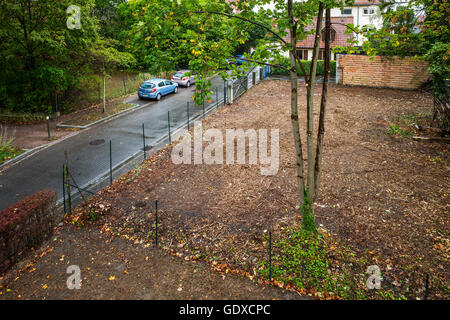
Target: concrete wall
x=398 y=73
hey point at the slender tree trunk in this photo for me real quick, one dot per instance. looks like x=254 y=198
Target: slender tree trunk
x=294 y=107
x=310 y=105
x=323 y=105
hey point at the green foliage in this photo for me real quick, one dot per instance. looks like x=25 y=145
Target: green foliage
x=39 y=55
x=93 y=215
x=439 y=67
x=110 y=23
x=285 y=62
x=302 y=259
x=396 y=130
x=405 y=34
x=7 y=152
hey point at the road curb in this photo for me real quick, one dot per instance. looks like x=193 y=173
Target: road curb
x=30 y=152
x=121 y=113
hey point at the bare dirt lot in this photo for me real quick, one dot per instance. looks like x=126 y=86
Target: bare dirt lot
x=382 y=195
x=115 y=268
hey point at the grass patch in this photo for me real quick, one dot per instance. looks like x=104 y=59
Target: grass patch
x=90 y=115
x=314 y=263
x=8 y=153
x=396 y=130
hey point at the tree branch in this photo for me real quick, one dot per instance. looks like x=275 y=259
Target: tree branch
x=247 y=20
x=264 y=63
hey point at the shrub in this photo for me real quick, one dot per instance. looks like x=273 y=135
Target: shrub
x=285 y=62
x=25 y=225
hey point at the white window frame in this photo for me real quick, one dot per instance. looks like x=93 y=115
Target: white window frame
x=370 y=11
x=347 y=14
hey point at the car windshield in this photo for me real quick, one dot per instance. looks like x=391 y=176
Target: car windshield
x=147 y=85
x=179 y=74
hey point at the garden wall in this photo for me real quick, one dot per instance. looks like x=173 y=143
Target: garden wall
x=25 y=225
x=393 y=72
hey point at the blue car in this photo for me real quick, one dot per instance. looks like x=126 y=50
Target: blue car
x=237 y=60
x=156 y=88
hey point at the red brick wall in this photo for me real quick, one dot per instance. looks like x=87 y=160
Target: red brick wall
x=399 y=73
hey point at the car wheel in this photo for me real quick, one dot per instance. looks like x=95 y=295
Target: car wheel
x=188 y=84
x=175 y=90
x=158 y=97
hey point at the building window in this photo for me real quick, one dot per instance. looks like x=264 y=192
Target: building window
x=368 y=11
x=346 y=11
x=302 y=54
x=322 y=54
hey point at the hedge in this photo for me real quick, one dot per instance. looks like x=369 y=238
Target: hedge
x=285 y=62
x=25 y=225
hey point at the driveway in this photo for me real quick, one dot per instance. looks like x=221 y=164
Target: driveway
x=89 y=150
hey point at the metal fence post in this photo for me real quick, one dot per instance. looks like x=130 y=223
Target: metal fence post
x=110 y=163
x=188 y=115
x=156 y=222
x=217 y=97
x=143 y=140
x=225 y=92
x=203 y=108
x=168 y=123
x=270 y=255
x=64 y=187
x=67 y=180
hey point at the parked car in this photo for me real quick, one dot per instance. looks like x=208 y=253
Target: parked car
x=156 y=88
x=237 y=60
x=183 y=79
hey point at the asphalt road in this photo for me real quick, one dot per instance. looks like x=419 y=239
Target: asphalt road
x=88 y=150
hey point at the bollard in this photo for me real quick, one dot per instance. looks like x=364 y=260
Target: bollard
x=188 y=115
x=48 y=127
x=143 y=140
x=110 y=163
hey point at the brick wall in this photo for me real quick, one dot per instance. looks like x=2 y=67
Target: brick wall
x=399 y=73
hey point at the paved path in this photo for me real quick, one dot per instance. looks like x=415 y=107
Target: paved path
x=43 y=170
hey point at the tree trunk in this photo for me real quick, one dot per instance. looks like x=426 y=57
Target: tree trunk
x=294 y=107
x=310 y=105
x=323 y=105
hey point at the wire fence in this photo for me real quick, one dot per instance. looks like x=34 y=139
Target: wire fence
x=86 y=173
